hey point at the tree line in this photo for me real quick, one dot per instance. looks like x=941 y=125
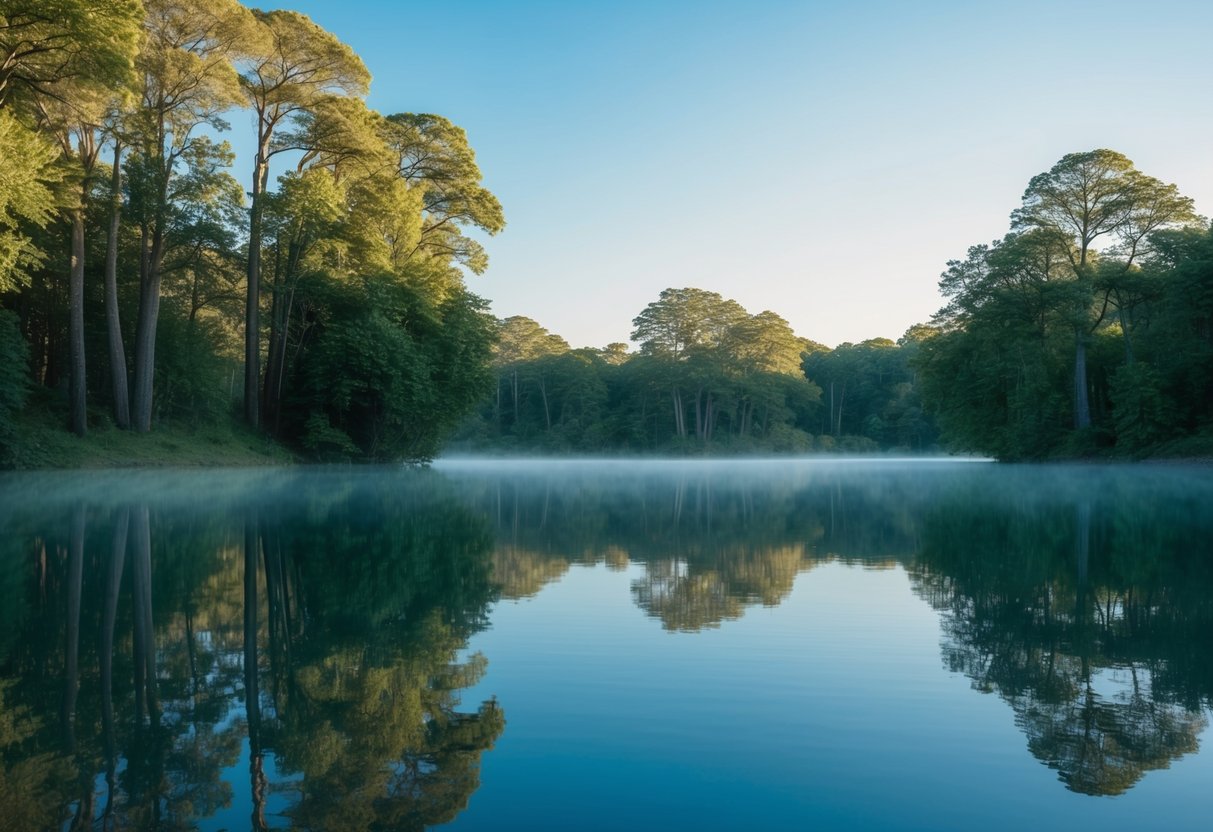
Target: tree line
x=138 y=278
x=708 y=376
x=141 y=286
x=1086 y=330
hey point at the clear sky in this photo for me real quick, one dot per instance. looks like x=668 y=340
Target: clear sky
x=820 y=159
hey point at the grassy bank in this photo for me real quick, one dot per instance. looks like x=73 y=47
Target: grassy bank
x=40 y=441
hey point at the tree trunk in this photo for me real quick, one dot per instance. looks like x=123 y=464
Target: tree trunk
x=1082 y=402
x=547 y=413
x=145 y=646
x=842 y=397
x=514 y=394
x=145 y=328
x=113 y=324
x=78 y=403
x=830 y=427
x=1127 y=335
x=252 y=308
x=71 y=665
x=270 y=389
x=280 y=318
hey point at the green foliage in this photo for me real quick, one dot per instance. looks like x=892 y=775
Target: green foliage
x=708 y=377
x=26 y=178
x=433 y=156
x=870 y=395
x=51 y=45
x=1142 y=414
x=388 y=372
x=376 y=348
x=1048 y=347
x=14 y=379
x=193 y=377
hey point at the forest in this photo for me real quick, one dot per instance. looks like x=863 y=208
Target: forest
x=143 y=287
x=324 y=314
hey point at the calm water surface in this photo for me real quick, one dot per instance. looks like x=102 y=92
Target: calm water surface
x=643 y=645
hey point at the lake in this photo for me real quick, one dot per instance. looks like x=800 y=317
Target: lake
x=702 y=645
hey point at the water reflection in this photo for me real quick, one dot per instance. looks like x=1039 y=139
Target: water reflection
x=288 y=649
x=1089 y=616
x=1083 y=597
x=291 y=650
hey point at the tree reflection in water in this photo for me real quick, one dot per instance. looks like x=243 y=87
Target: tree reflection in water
x=1084 y=601
x=151 y=644
x=176 y=648
x=1085 y=617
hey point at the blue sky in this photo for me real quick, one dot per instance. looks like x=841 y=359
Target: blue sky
x=820 y=159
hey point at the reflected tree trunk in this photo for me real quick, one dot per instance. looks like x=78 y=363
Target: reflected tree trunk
x=109 y=616
x=278 y=603
x=252 y=703
x=1082 y=542
x=146 y=699
x=71 y=670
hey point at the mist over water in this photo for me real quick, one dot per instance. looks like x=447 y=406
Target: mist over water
x=539 y=644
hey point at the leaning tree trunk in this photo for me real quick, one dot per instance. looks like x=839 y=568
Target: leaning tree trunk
x=113 y=324
x=78 y=403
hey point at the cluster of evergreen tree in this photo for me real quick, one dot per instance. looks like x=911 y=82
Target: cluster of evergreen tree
x=1051 y=347
x=708 y=376
x=135 y=276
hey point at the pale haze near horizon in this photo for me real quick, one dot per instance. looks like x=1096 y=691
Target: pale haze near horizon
x=822 y=160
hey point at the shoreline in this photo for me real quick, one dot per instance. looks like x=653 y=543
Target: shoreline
x=280 y=457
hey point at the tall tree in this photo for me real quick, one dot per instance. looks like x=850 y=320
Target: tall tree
x=520 y=340
x=297 y=65
x=1084 y=197
x=186 y=83
x=433 y=156
x=680 y=325
x=305 y=210
x=64 y=64
x=76 y=118
x=343 y=209
x=119 y=390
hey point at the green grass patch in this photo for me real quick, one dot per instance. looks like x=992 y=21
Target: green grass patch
x=40 y=440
